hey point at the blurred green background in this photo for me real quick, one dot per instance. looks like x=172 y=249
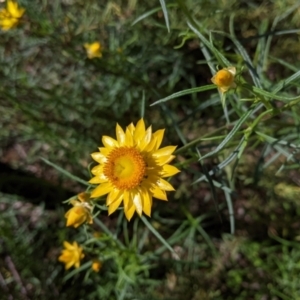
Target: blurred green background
x=56 y=104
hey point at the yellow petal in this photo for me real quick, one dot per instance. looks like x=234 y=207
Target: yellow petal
x=139 y=130
x=151 y=146
x=223 y=89
x=129 y=212
x=131 y=128
x=169 y=170
x=102 y=189
x=120 y=135
x=104 y=151
x=232 y=70
x=164 y=185
x=114 y=195
x=137 y=201
x=109 y=142
x=159 y=194
x=159 y=134
x=69 y=265
x=97 y=170
x=162 y=160
x=4 y=13
x=147 y=138
x=14 y=10
x=98 y=179
x=8 y=23
x=164 y=151
x=127 y=199
x=113 y=206
x=67 y=245
x=147 y=202
x=99 y=157
x=76 y=216
x=128 y=137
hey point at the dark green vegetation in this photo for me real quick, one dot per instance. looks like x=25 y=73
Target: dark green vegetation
x=56 y=104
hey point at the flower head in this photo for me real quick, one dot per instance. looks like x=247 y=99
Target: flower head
x=96 y=265
x=131 y=169
x=224 y=79
x=11 y=15
x=80 y=212
x=71 y=255
x=93 y=50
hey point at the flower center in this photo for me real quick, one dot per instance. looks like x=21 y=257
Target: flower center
x=224 y=78
x=125 y=168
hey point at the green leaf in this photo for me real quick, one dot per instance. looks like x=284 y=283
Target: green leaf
x=149 y=13
x=220 y=57
x=61 y=170
x=264 y=93
x=159 y=237
x=231 y=134
x=165 y=12
x=243 y=52
x=185 y=92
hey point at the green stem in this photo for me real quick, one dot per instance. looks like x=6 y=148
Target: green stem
x=198 y=140
x=153 y=230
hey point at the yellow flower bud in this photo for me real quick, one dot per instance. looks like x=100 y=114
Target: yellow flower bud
x=224 y=79
x=78 y=215
x=80 y=212
x=71 y=255
x=96 y=265
x=11 y=15
x=93 y=50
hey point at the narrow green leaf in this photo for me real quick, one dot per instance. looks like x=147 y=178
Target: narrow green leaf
x=61 y=170
x=221 y=58
x=286 y=82
x=150 y=12
x=243 y=52
x=145 y=15
x=165 y=12
x=186 y=92
x=159 y=237
x=264 y=93
x=231 y=134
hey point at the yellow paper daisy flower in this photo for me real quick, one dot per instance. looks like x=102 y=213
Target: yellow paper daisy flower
x=71 y=255
x=11 y=15
x=93 y=50
x=224 y=79
x=80 y=212
x=131 y=169
x=96 y=265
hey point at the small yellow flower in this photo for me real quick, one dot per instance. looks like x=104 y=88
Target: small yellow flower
x=96 y=265
x=71 y=255
x=131 y=169
x=11 y=15
x=80 y=212
x=224 y=79
x=93 y=50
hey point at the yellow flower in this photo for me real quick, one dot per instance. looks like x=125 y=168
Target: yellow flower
x=93 y=50
x=224 y=79
x=80 y=212
x=131 y=169
x=10 y=16
x=96 y=265
x=71 y=255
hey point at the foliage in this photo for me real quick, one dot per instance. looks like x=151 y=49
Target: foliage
x=230 y=231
